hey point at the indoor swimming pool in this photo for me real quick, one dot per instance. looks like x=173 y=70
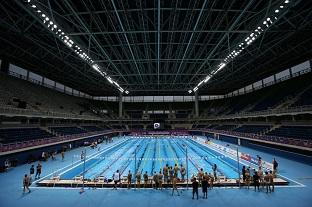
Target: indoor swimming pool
x=151 y=154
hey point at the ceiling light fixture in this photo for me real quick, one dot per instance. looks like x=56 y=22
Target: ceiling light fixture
x=71 y=44
x=267 y=22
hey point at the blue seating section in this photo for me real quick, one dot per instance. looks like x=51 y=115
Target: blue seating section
x=252 y=128
x=92 y=128
x=67 y=130
x=22 y=134
x=298 y=132
x=225 y=127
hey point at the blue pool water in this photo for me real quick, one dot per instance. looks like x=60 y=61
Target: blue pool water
x=152 y=154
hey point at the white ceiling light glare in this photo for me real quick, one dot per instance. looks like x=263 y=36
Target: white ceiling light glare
x=265 y=24
x=53 y=27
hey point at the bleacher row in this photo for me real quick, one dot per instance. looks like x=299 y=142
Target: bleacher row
x=12 y=135
x=295 y=135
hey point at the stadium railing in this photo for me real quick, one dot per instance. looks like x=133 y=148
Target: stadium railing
x=33 y=113
x=282 y=111
x=276 y=139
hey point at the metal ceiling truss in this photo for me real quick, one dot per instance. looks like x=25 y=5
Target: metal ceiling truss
x=154 y=47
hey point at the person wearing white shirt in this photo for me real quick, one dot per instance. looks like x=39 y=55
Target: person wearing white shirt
x=116 y=178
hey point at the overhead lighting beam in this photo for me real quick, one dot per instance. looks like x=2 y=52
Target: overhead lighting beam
x=56 y=29
x=248 y=40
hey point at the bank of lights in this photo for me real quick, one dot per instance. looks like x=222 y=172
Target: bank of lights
x=53 y=27
x=265 y=24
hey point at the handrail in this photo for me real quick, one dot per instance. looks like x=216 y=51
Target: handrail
x=17 y=111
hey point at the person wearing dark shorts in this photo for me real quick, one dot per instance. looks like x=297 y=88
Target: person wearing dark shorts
x=205 y=187
x=31 y=171
x=256 y=180
x=116 y=178
x=195 y=187
x=38 y=171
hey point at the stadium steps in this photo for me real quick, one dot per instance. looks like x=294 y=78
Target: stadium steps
x=49 y=131
x=272 y=128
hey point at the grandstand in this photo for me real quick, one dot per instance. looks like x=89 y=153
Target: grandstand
x=91 y=87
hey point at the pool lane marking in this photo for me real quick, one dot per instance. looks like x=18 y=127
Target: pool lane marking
x=173 y=156
x=302 y=185
x=115 y=153
x=103 y=150
x=160 y=159
x=148 y=153
x=89 y=159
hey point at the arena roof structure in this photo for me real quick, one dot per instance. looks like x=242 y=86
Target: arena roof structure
x=156 y=47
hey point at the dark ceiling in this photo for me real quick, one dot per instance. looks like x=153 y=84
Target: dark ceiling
x=155 y=47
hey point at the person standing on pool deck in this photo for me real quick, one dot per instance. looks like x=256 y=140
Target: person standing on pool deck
x=247 y=173
x=129 y=178
x=63 y=155
x=183 y=172
x=174 y=185
x=171 y=172
x=256 y=181
x=267 y=182
x=165 y=172
x=138 y=180
x=176 y=170
x=275 y=165
x=156 y=180
x=195 y=187
x=214 y=168
x=38 y=170
x=116 y=178
x=26 y=183
x=31 y=172
x=82 y=155
x=145 y=177
x=271 y=177
x=200 y=175
x=160 y=177
x=244 y=173
x=205 y=187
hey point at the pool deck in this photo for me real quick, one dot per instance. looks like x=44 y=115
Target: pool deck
x=101 y=184
x=296 y=193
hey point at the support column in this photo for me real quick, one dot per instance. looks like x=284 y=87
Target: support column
x=4 y=67
x=120 y=105
x=196 y=105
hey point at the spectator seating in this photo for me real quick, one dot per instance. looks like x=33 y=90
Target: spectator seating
x=22 y=134
x=252 y=128
x=67 y=130
x=92 y=128
x=298 y=132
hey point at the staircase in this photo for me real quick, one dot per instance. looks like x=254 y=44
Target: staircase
x=49 y=131
x=271 y=129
